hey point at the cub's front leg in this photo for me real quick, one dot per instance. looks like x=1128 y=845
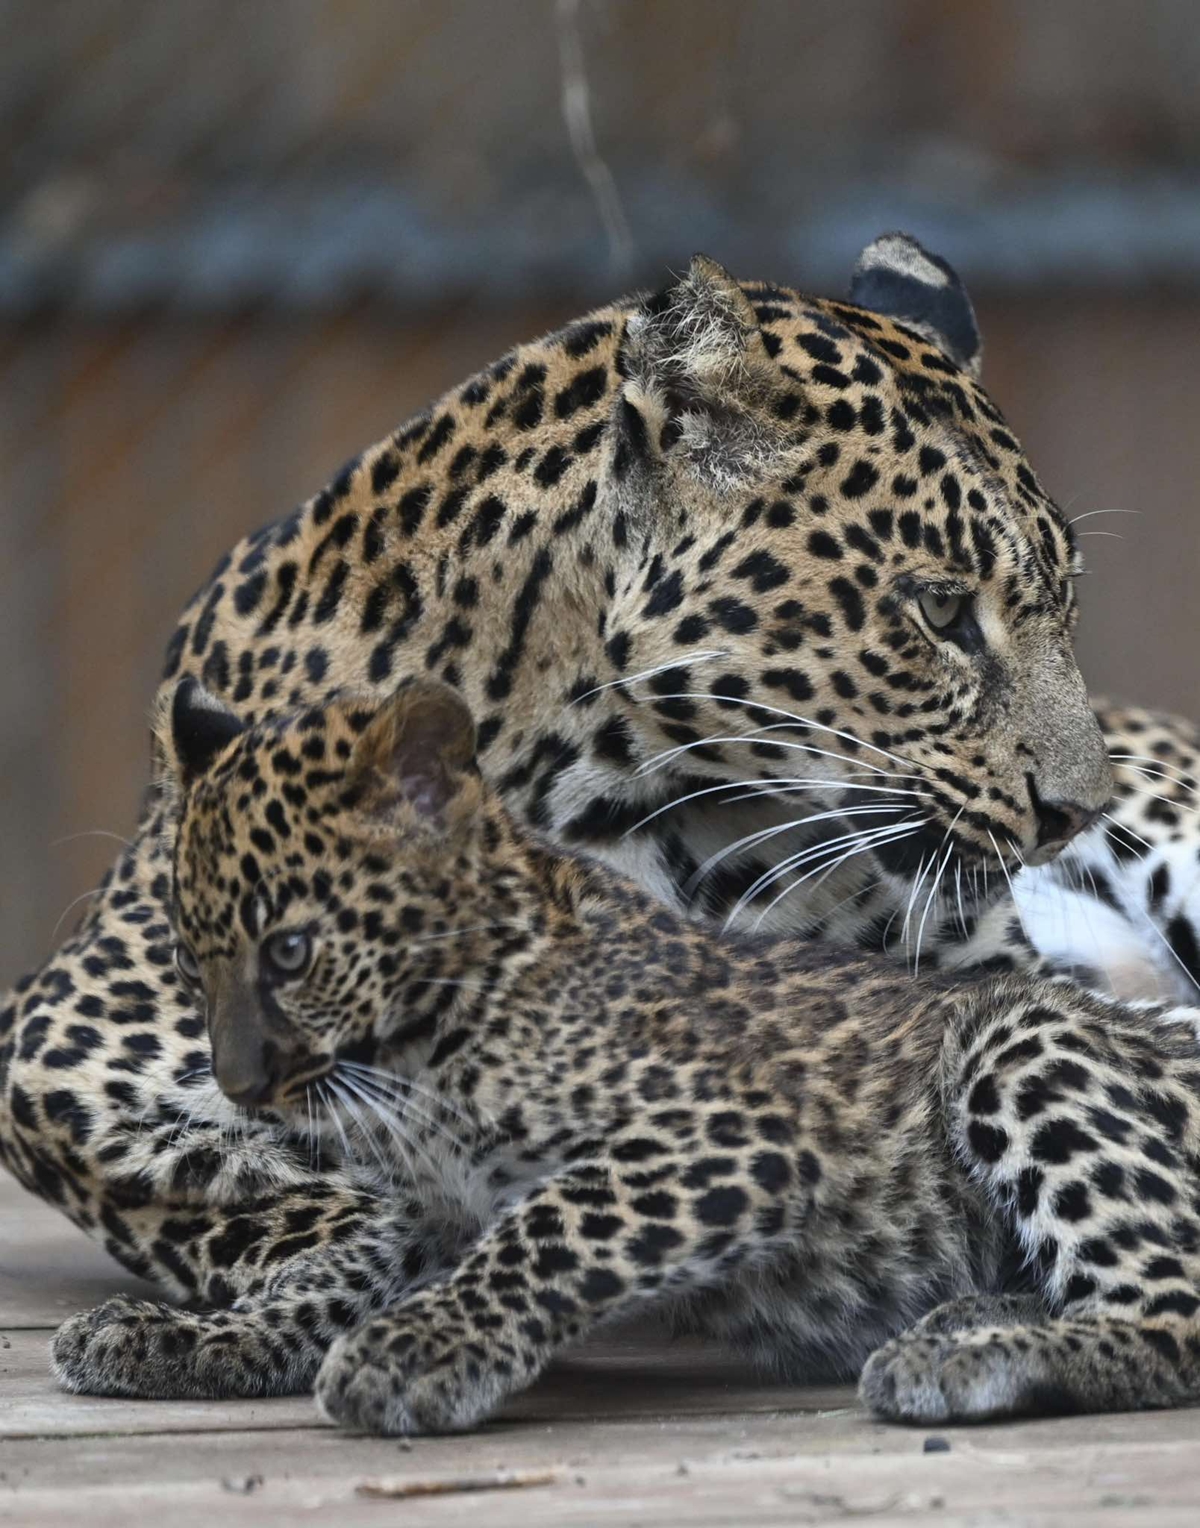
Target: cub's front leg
x=354 y=1256
x=589 y=1242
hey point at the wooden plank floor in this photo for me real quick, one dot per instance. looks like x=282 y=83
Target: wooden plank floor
x=623 y=1434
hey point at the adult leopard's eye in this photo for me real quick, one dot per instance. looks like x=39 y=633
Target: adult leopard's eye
x=941 y=610
x=288 y=954
x=187 y=965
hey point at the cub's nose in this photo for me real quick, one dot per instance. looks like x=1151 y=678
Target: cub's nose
x=1058 y=821
x=250 y=1075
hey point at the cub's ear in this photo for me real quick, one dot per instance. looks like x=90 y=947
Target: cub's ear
x=195 y=729
x=700 y=380
x=896 y=277
x=418 y=745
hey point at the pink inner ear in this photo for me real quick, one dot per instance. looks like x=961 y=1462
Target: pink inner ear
x=425 y=791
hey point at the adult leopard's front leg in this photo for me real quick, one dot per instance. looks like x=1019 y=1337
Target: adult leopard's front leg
x=1077 y=1117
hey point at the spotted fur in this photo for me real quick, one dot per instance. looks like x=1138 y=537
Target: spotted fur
x=677 y=557
x=803 y=1152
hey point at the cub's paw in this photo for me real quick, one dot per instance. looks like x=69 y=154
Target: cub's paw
x=968 y=1378
x=973 y=1311
x=105 y=1351
x=397 y=1376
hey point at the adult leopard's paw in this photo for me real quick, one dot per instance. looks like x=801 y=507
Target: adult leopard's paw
x=966 y=1378
x=391 y=1378
x=103 y=1351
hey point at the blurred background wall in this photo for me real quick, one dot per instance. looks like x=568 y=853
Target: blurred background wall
x=238 y=241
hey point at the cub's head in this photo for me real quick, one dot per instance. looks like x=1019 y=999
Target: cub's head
x=342 y=877
x=843 y=562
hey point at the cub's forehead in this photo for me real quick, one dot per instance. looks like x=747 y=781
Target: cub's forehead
x=282 y=779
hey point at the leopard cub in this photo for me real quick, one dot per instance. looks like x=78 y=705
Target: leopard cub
x=988 y=1195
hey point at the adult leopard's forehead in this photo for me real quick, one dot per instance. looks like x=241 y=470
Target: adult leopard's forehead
x=913 y=454
x=873 y=382
x=510 y=461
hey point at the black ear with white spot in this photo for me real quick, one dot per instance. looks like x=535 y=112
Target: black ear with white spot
x=201 y=727
x=896 y=277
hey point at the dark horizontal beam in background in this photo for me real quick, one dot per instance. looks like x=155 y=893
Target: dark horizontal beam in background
x=207 y=156
x=322 y=246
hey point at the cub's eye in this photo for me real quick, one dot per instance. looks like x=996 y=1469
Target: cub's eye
x=288 y=954
x=941 y=610
x=187 y=965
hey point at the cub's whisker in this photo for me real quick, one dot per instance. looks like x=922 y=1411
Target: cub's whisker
x=389 y=1080
x=74 y=902
x=394 y=1125
x=459 y=933
x=401 y=1104
x=70 y=838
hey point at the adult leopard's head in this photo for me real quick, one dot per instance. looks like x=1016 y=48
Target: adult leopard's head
x=842 y=554
x=737 y=583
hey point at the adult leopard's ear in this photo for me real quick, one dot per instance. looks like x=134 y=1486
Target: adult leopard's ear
x=417 y=747
x=896 y=277
x=701 y=387
x=195 y=729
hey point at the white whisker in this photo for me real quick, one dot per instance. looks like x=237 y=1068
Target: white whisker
x=395 y=1127
x=922 y=871
x=661 y=760
x=858 y=841
x=403 y=1088
x=1121 y=828
x=70 y=838
x=799 y=721
x=1087 y=515
x=958 y=896
x=1011 y=889
x=347 y=1093
x=706 y=655
x=929 y=901
x=458 y=933
x=326 y=1083
x=892 y=833
x=74 y=902
x=946 y=837
x=762 y=834
x=1182 y=777
x=767 y=788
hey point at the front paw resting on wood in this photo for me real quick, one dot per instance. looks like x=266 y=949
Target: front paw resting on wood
x=421 y=1369
x=147 y=1350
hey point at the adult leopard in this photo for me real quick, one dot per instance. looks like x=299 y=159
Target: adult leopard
x=724 y=572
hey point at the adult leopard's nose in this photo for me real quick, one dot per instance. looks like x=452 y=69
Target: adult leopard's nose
x=1059 y=820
